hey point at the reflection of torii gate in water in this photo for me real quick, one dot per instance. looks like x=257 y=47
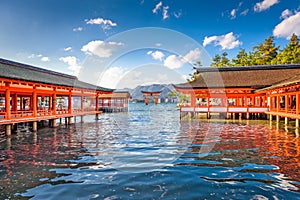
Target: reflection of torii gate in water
x=154 y=94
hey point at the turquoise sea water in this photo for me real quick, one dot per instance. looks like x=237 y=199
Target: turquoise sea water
x=148 y=153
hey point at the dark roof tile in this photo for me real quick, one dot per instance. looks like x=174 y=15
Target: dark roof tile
x=242 y=77
x=19 y=71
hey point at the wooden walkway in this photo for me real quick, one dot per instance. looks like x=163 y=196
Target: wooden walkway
x=46 y=117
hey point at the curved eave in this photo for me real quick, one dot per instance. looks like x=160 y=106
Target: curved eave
x=217 y=87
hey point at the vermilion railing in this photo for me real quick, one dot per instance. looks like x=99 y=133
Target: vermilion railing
x=20 y=114
x=224 y=109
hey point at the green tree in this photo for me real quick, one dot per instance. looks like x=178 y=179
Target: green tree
x=216 y=61
x=264 y=53
x=241 y=59
x=224 y=60
x=290 y=54
x=193 y=75
x=221 y=61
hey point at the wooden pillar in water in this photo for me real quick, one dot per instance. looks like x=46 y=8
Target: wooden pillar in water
x=286 y=120
x=277 y=118
x=8 y=130
x=53 y=123
x=70 y=121
x=248 y=115
x=34 y=126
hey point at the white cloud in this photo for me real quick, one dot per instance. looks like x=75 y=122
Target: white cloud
x=111 y=77
x=264 y=5
x=174 y=62
x=157 y=55
x=101 y=48
x=158 y=44
x=228 y=41
x=193 y=55
x=285 y=14
x=100 y=21
x=288 y=26
x=105 y=23
x=233 y=13
x=35 y=56
x=178 y=14
x=45 y=59
x=31 y=56
x=157 y=7
x=39 y=56
x=165 y=12
x=77 y=29
x=68 y=49
x=72 y=62
x=245 y=12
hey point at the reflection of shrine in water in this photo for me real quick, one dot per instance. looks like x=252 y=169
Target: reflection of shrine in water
x=26 y=159
x=237 y=145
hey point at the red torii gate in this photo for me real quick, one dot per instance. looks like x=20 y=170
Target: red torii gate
x=155 y=94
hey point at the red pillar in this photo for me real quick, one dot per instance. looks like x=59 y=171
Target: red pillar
x=193 y=100
x=15 y=102
x=146 y=100
x=7 y=101
x=82 y=103
x=297 y=103
x=155 y=99
x=97 y=102
x=34 y=102
x=70 y=107
x=54 y=102
x=286 y=103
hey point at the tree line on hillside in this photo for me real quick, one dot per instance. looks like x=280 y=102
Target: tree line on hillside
x=266 y=53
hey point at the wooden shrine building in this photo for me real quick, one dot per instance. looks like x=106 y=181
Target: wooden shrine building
x=245 y=91
x=32 y=94
x=114 y=102
x=284 y=99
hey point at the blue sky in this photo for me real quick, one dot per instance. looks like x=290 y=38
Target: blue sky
x=111 y=42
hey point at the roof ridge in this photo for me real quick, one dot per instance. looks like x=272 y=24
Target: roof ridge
x=247 y=68
x=21 y=65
